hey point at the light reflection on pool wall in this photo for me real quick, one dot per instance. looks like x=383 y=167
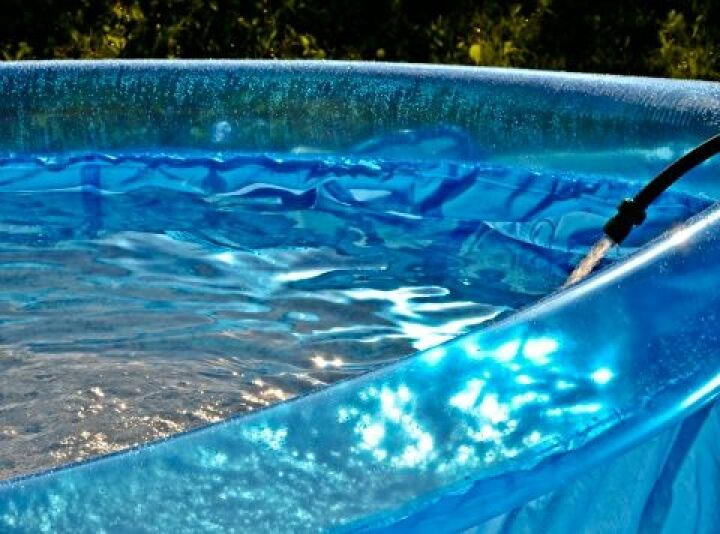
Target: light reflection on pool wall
x=519 y=393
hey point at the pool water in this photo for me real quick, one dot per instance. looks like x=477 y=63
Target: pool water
x=151 y=292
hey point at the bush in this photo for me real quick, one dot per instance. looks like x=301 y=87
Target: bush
x=660 y=38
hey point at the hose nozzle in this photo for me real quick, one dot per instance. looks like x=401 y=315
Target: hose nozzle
x=629 y=215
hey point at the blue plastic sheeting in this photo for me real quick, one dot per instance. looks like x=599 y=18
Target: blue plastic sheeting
x=668 y=484
x=583 y=411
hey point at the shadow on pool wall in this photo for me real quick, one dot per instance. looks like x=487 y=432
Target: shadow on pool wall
x=545 y=405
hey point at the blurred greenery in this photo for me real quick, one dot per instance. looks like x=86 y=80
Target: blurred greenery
x=657 y=38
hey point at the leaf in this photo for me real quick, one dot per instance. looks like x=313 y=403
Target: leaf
x=475 y=53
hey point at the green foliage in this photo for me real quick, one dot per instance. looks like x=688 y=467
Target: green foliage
x=663 y=38
x=685 y=50
x=491 y=35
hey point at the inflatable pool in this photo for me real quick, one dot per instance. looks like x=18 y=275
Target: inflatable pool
x=587 y=409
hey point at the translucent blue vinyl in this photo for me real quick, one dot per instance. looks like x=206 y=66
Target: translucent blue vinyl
x=587 y=411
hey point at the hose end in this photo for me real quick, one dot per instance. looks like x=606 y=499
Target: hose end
x=629 y=215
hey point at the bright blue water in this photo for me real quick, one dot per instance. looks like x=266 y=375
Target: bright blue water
x=148 y=293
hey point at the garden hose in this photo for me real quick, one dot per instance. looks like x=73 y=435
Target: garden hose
x=631 y=212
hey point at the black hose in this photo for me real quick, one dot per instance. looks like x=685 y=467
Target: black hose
x=631 y=211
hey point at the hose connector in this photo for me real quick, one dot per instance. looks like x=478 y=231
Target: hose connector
x=629 y=215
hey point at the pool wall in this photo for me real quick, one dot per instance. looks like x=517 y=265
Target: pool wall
x=536 y=117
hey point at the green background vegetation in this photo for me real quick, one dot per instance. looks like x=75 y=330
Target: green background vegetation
x=651 y=37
